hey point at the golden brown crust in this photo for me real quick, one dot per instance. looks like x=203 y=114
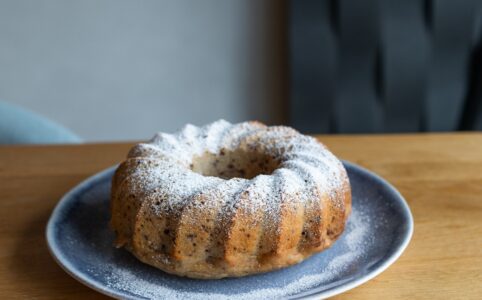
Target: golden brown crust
x=208 y=235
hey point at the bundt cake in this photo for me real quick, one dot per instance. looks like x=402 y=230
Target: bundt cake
x=228 y=199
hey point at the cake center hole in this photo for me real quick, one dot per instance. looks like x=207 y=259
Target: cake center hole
x=234 y=164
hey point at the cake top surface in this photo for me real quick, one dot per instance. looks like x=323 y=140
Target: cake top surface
x=298 y=164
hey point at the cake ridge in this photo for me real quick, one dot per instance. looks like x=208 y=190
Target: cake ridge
x=244 y=220
x=290 y=191
x=188 y=235
x=215 y=247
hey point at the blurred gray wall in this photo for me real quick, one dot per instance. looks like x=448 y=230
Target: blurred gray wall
x=121 y=69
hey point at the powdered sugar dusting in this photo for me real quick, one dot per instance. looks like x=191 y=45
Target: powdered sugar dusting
x=302 y=155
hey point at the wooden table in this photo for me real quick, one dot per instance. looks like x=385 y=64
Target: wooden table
x=439 y=174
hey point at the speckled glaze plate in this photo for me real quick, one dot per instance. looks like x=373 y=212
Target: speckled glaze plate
x=378 y=231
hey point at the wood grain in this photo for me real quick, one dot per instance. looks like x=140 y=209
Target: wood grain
x=440 y=175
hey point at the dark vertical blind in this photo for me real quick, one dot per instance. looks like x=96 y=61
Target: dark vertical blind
x=385 y=65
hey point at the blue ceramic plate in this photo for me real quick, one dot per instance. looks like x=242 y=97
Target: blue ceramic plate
x=378 y=231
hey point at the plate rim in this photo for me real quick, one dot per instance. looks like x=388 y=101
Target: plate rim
x=57 y=255
x=70 y=269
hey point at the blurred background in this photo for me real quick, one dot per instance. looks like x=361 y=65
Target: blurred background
x=105 y=70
